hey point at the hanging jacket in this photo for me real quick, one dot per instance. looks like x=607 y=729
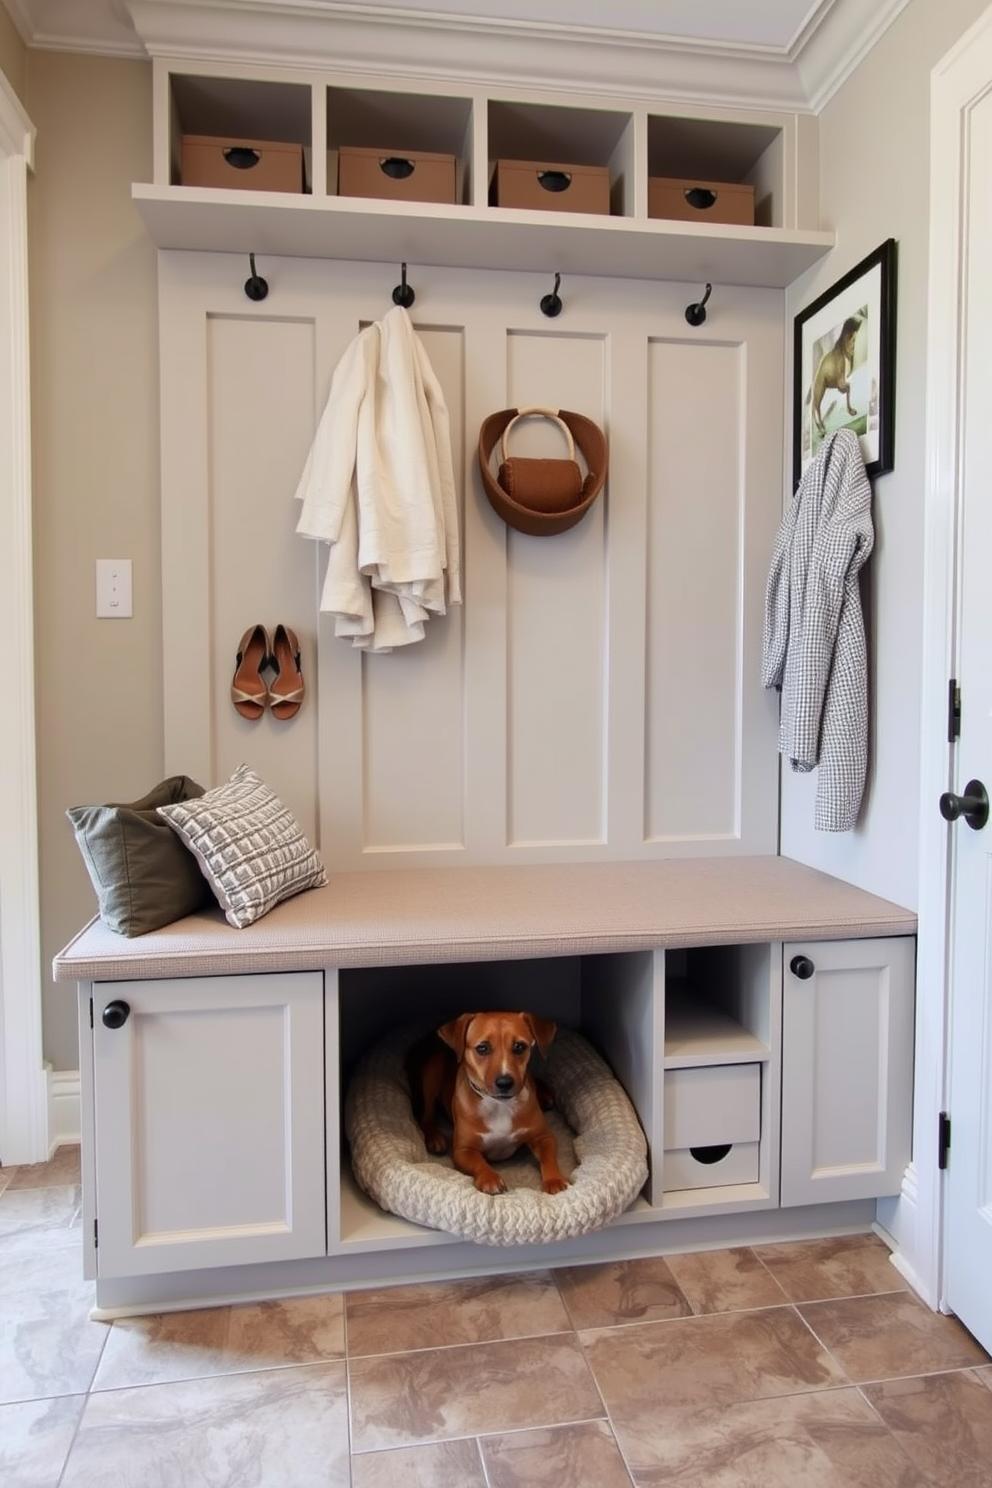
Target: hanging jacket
x=378 y=486
x=814 y=637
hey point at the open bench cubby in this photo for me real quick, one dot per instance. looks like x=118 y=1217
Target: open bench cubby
x=691 y=1036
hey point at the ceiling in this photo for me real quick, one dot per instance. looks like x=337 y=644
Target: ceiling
x=779 y=53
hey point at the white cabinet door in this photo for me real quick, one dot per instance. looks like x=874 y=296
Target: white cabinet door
x=847 y=1068
x=209 y=1125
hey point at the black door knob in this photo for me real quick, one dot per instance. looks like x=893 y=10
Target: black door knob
x=973 y=805
x=116 y=1014
x=802 y=967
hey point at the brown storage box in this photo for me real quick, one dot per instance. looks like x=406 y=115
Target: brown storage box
x=243 y=165
x=412 y=175
x=701 y=201
x=551 y=188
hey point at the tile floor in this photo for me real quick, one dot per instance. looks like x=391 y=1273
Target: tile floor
x=781 y=1366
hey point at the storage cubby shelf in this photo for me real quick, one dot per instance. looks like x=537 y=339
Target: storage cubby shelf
x=697 y=1032
x=200 y=219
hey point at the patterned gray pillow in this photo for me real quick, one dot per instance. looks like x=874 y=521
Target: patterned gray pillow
x=249 y=846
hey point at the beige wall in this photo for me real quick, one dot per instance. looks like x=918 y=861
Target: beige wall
x=874 y=169
x=92 y=273
x=13 y=54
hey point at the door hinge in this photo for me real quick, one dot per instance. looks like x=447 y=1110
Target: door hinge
x=96 y=1234
x=953 y=711
x=91 y=1012
x=943 y=1139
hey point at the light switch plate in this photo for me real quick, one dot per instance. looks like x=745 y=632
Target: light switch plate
x=113 y=589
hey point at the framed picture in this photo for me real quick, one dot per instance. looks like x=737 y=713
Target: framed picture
x=844 y=368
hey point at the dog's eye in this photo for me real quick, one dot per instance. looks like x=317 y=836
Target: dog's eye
x=483 y=1048
x=519 y=1047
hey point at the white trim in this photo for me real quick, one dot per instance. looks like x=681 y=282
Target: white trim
x=23 y=1094
x=64 y=1110
x=918 y=1227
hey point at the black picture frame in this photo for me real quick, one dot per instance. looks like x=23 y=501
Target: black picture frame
x=844 y=362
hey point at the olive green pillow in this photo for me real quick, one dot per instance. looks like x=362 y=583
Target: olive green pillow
x=143 y=874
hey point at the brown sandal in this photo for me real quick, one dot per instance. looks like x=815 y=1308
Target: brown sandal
x=249 y=693
x=286 y=692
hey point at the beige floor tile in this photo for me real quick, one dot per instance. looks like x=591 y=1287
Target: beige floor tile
x=35 y=1438
x=5 y=1177
x=455 y=1464
x=288 y=1428
x=985 y=1375
x=725 y=1280
x=62 y=1168
x=829 y=1439
x=944 y=1424
x=875 y=1338
x=396 y=1320
x=221 y=1340
x=48 y=1344
x=581 y=1456
x=436 y=1394
x=39 y=1208
x=659 y=1369
x=638 y=1291
x=842 y=1266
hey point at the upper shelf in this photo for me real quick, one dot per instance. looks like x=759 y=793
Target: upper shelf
x=190 y=217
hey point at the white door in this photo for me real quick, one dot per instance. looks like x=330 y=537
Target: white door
x=963 y=98
x=209 y=1122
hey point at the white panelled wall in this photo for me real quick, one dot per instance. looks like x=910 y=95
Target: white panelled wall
x=598 y=694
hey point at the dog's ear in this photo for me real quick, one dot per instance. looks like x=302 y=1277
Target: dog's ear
x=454 y=1032
x=542 y=1030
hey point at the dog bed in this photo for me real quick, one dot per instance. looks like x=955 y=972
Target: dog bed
x=601 y=1149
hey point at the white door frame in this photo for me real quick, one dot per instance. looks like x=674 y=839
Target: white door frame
x=920 y=1231
x=23 y=1086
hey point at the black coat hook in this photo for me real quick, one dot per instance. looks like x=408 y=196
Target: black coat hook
x=696 y=314
x=403 y=293
x=551 y=303
x=255 y=287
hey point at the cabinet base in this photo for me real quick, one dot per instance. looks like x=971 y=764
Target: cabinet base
x=183 y=1291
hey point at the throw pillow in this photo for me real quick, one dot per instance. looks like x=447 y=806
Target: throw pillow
x=249 y=846
x=143 y=875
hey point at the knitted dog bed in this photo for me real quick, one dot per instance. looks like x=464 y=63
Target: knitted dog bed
x=601 y=1149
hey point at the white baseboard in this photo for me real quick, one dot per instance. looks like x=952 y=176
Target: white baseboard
x=63 y=1108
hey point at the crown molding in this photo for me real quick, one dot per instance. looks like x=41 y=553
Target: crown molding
x=396 y=42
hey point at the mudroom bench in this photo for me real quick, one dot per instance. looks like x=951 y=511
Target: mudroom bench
x=758 y=1013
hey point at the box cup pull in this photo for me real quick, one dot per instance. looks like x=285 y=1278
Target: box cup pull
x=700 y=198
x=396 y=167
x=553 y=180
x=241 y=157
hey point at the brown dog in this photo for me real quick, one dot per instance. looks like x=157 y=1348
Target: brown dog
x=483 y=1086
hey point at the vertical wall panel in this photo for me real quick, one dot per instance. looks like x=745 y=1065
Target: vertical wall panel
x=259 y=399
x=413 y=699
x=556 y=609
x=695 y=531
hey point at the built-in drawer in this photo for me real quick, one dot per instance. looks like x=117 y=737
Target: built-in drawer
x=712 y=1126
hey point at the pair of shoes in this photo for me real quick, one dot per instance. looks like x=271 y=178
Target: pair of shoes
x=249 y=692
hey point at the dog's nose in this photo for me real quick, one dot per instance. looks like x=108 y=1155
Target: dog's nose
x=504 y=1084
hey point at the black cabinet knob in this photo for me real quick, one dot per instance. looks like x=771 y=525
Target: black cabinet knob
x=802 y=967
x=116 y=1014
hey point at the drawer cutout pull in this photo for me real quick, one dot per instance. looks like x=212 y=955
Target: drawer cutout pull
x=710 y=1155
x=241 y=157
x=700 y=198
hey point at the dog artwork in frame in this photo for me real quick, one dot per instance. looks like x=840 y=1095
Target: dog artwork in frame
x=844 y=364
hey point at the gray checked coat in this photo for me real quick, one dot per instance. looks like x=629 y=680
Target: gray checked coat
x=814 y=636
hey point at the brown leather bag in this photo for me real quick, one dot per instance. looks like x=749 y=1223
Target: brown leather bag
x=541 y=485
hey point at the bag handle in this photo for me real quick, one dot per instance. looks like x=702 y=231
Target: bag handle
x=536 y=411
